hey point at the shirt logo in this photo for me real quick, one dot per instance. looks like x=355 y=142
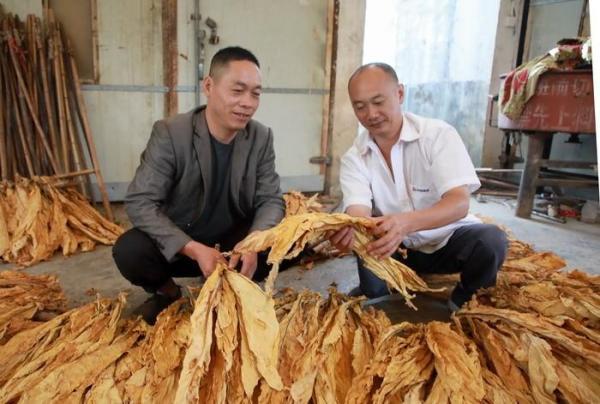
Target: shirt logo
x=420 y=189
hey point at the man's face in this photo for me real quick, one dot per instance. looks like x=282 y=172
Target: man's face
x=377 y=102
x=233 y=94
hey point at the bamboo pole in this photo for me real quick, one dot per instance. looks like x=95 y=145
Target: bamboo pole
x=29 y=106
x=11 y=151
x=70 y=127
x=78 y=133
x=32 y=69
x=89 y=138
x=60 y=106
x=24 y=124
x=32 y=66
x=75 y=174
x=28 y=141
x=3 y=156
x=46 y=93
x=3 y=132
x=25 y=127
x=20 y=132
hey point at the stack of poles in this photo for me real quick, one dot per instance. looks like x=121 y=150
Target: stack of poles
x=43 y=119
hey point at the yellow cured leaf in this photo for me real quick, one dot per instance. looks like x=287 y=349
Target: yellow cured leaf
x=233 y=320
x=288 y=239
x=45 y=218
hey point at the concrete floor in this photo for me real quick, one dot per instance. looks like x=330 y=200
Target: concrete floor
x=85 y=274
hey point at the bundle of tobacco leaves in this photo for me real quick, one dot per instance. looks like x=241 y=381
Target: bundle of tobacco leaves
x=62 y=358
x=535 y=337
x=535 y=358
x=25 y=300
x=297 y=203
x=573 y=297
x=37 y=218
x=418 y=363
x=533 y=267
x=288 y=239
x=324 y=345
x=234 y=341
x=149 y=371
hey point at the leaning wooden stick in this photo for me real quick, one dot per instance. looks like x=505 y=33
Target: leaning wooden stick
x=62 y=125
x=34 y=118
x=3 y=157
x=88 y=136
x=21 y=133
x=73 y=139
x=47 y=99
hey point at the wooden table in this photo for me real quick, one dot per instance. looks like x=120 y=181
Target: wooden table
x=563 y=103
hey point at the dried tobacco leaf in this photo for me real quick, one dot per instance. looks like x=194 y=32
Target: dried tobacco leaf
x=42 y=355
x=400 y=366
x=538 y=357
x=296 y=203
x=288 y=239
x=37 y=219
x=324 y=345
x=456 y=360
x=23 y=298
x=233 y=323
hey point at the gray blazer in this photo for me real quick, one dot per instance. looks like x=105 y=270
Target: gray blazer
x=171 y=184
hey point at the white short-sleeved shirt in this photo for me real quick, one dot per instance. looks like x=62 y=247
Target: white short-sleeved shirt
x=428 y=160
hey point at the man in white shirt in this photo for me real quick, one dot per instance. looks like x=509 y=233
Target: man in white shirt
x=414 y=176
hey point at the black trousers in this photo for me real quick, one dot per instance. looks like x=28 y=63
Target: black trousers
x=140 y=261
x=477 y=251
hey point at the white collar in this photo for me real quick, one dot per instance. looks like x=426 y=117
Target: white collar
x=408 y=133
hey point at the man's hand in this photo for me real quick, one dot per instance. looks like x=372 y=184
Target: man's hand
x=391 y=230
x=249 y=262
x=205 y=256
x=343 y=239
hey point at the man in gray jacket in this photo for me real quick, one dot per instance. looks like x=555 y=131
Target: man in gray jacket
x=206 y=179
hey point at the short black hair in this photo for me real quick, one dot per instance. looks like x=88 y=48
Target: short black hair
x=230 y=54
x=387 y=69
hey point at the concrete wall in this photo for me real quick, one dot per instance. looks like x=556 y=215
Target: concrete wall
x=442 y=51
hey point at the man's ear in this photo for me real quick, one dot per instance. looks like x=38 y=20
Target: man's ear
x=207 y=85
x=400 y=93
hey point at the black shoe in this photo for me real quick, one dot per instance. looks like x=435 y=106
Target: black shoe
x=458 y=297
x=152 y=307
x=355 y=292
